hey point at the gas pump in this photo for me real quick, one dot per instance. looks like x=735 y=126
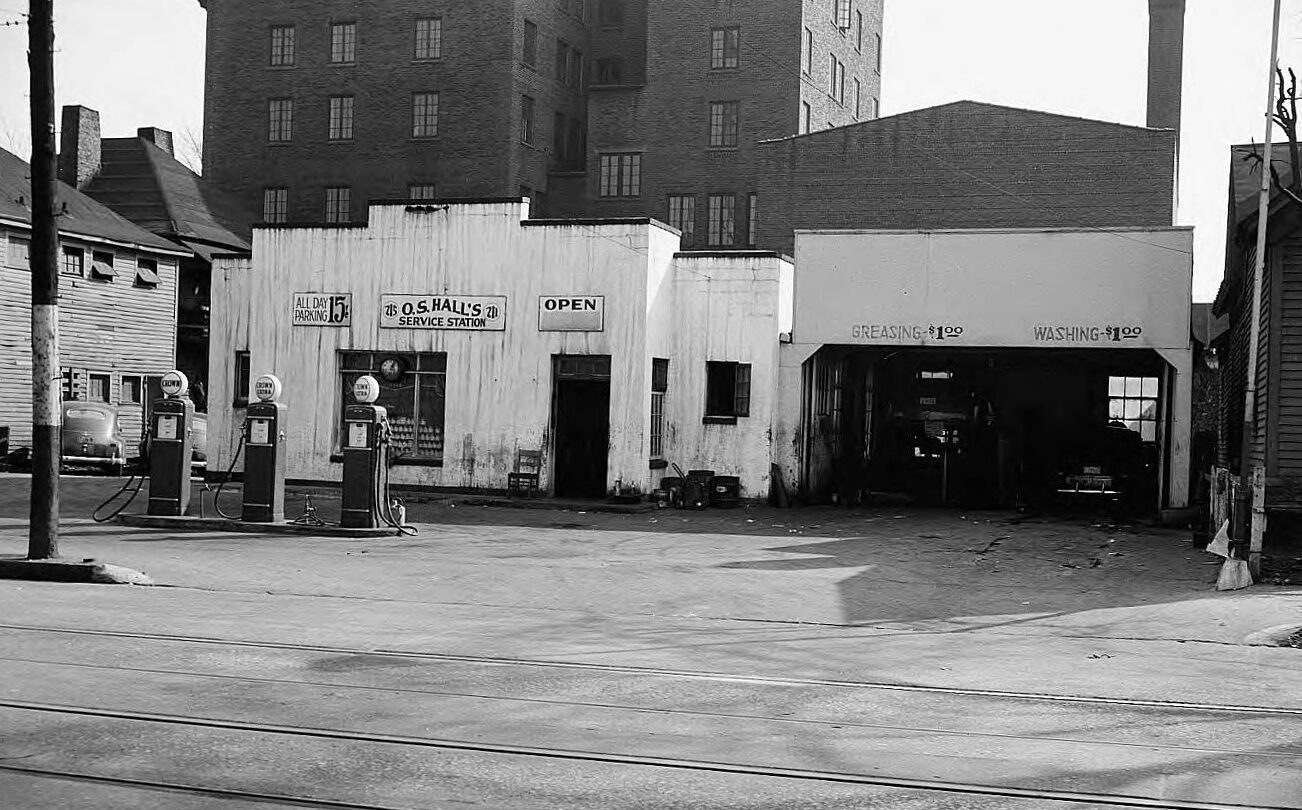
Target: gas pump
x=171 y=420
x=264 y=454
x=366 y=444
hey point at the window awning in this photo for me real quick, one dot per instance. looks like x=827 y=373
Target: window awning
x=146 y=275
x=102 y=270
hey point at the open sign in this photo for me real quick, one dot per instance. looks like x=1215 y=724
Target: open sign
x=571 y=313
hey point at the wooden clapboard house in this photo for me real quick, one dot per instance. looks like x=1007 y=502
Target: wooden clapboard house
x=117 y=305
x=1277 y=438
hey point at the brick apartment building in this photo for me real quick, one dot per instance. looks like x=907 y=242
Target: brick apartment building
x=589 y=107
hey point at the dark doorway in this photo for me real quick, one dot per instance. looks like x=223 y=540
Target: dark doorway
x=582 y=418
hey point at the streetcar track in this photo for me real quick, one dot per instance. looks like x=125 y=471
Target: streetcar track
x=218 y=793
x=504 y=661
x=579 y=755
x=1033 y=738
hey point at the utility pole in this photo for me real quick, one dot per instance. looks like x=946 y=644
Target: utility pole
x=43 y=532
x=1254 y=327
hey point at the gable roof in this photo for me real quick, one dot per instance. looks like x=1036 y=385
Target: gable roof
x=1245 y=177
x=78 y=214
x=965 y=108
x=149 y=186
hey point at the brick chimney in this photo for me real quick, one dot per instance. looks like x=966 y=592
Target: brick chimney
x=79 y=155
x=1165 y=62
x=158 y=137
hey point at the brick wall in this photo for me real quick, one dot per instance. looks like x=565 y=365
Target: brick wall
x=468 y=157
x=967 y=165
x=667 y=121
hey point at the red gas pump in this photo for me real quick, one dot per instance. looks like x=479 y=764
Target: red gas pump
x=366 y=443
x=264 y=454
x=171 y=420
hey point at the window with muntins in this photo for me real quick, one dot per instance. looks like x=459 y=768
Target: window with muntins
x=74 y=261
x=424 y=115
x=1132 y=402
x=282 y=45
x=727 y=390
x=725 y=48
x=133 y=389
x=415 y=398
x=429 y=38
x=421 y=191
x=841 y=14
x=343 y=43
x=338 y=204
x=341 y=118
x=722 y=220
x=100 y=389
x=621 y=175
x=280 y=120
x=275 y=205
x=723 y=123
x=659 y=385
x=682 y=215
x=752 y=218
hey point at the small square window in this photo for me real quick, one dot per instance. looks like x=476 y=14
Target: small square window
x=18 y=255
x=147 y=273
x=74 y=262
x=727 y=390
x=101 y=265
x=100 y=388
x=421 y=191
x=621 y=175
x=133 y=389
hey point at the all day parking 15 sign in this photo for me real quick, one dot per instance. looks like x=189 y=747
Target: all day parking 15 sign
x=323 y=309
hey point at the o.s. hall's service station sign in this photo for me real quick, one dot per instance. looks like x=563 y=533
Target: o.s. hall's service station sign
x=476 y=312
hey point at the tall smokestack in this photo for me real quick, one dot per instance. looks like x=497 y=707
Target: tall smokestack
x=1165 y=62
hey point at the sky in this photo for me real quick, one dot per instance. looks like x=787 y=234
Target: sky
x=140 y=63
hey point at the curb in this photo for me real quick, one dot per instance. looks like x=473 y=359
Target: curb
x=198 y=524
x=67 y=571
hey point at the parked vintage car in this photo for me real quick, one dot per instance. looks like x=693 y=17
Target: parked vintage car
x=92 y=437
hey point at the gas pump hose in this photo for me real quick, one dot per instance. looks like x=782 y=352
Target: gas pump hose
x=216 y=498
x=138 y=479
x=382 y=495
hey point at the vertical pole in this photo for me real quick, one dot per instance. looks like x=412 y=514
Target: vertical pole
x=43 y=532
x=1254 y=334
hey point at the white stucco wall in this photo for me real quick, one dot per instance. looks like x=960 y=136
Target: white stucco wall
x=499 y=383
x=1039 y=288
x=721 y=308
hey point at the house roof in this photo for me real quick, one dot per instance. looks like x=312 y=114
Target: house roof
x=78 y=214
x=150 y=187
x=1245 y=177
